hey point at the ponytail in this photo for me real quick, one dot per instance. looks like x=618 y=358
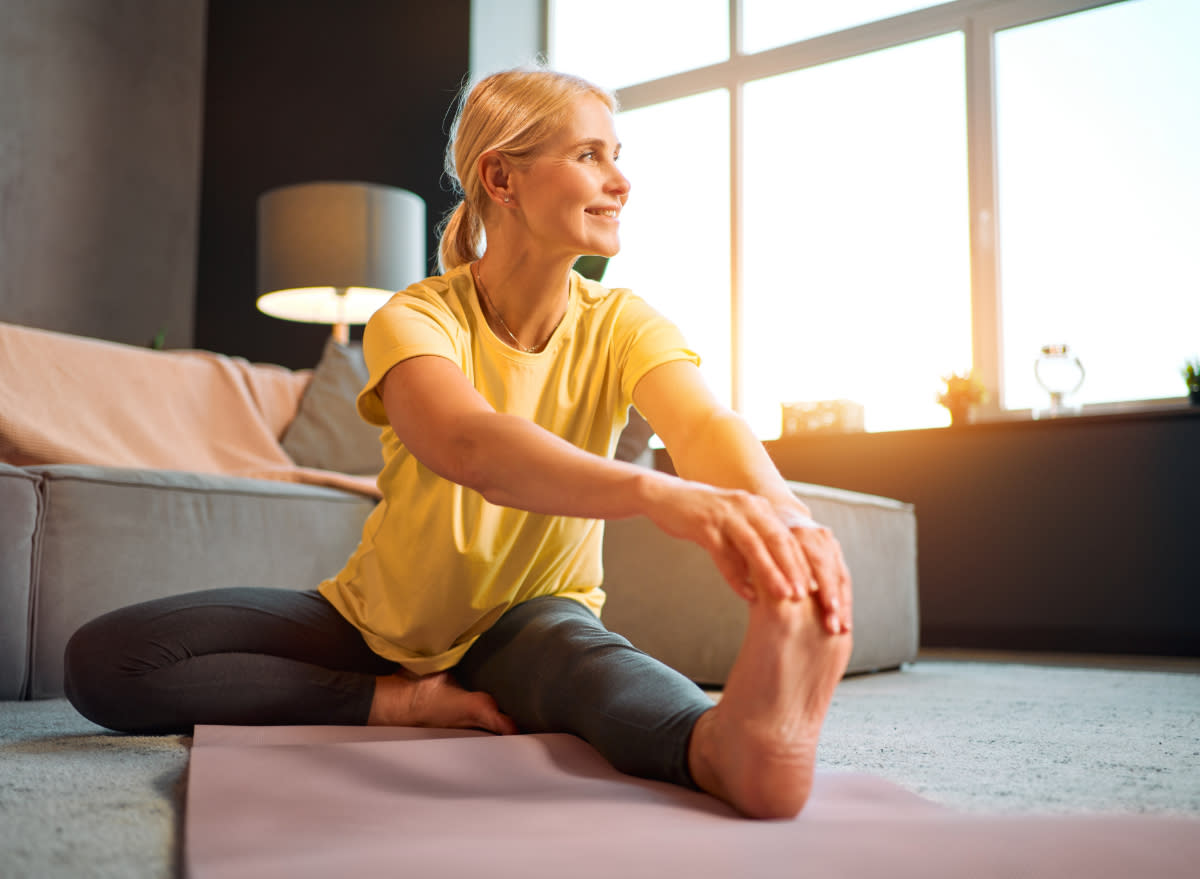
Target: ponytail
x=461 y=236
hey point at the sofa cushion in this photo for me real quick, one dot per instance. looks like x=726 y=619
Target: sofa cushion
x=327 y=431
x=19 y=512
x=666 y=596
x=112 y=537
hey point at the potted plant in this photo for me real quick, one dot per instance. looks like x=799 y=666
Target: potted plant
x=962 y=392
x=1191 y=376
x=591 y=267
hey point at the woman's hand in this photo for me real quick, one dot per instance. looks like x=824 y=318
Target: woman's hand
x=760 y=549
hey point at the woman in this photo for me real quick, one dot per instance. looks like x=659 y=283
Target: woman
x=472 y=600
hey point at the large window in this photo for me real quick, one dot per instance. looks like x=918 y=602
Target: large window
x=847 y=201
x=856 y=273
x=623 y=42
x=770 y=23
x=1098 y=149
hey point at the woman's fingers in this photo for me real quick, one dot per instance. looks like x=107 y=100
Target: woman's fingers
x=771 y=555
x=762 y=550
x=788 y=556
x=731 y=566
x=830 y=580
x=846 y=590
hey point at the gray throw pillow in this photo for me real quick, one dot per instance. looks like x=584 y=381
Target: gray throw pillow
x=634 y=439
x=327 y=431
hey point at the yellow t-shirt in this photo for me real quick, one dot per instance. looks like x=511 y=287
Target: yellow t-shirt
x=438 y=564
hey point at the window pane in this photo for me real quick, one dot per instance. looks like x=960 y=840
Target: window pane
x=675 y=227
x=770 y=23
x=857 y=270
x=622 y=42
x=1098 y=127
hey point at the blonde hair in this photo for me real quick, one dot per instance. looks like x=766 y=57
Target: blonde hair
x=512 y=112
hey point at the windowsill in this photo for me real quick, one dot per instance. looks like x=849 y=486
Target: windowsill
x=1152 y=410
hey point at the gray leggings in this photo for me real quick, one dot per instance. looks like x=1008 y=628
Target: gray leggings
x=273 y=656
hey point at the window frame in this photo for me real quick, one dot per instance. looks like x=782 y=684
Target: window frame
x=978 y=21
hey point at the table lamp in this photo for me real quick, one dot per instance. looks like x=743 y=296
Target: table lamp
x=334 y=252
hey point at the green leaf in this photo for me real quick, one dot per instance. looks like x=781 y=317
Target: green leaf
x=592 y=267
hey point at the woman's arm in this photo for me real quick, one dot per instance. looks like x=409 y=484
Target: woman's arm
x=509 y=460
x=707 y=441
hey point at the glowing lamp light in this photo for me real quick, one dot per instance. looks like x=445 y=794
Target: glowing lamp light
x=335 y=252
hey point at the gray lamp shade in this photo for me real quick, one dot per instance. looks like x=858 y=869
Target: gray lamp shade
x=334 y=252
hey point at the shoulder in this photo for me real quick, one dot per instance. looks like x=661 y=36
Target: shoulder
x=431 y=316
x=612 y=303
x=633 y=332
x=440 y=300
x=439 y=293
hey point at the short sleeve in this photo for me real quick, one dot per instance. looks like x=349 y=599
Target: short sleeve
x=644 y=340
x=409 y=325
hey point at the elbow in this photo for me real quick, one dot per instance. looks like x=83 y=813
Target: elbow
x=473 y=472
x=471 y=460
x=463 y=462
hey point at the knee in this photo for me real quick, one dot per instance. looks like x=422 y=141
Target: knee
x=567 y=637
x=93 y=677
x=557 y=639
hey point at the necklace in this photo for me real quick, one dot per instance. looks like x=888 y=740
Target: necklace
x=494 y=310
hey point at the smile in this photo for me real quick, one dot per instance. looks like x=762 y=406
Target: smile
x=611 y=213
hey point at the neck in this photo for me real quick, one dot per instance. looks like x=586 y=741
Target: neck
x=523 y=302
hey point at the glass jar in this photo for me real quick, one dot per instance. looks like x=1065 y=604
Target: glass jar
x=1061 y=374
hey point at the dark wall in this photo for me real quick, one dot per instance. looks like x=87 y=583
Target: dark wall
x=1078 y=534
x=304 y=90
x=100 y=109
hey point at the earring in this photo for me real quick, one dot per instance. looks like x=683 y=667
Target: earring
x=507 y=199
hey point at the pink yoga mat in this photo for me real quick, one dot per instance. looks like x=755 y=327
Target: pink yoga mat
x=357 y=802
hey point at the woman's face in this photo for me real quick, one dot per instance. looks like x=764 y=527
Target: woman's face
x=570 y=197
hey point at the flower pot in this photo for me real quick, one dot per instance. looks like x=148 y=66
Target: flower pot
x=1194 y=396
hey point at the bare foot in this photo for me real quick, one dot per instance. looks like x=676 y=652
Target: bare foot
x=757 y=748
x=406 y=699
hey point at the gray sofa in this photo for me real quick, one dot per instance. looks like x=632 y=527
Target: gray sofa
x=77 y=541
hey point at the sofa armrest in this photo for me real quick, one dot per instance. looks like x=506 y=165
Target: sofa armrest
x=667 y=597
x=20 y=510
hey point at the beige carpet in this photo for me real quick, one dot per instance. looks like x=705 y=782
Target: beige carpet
x=1018 y=738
